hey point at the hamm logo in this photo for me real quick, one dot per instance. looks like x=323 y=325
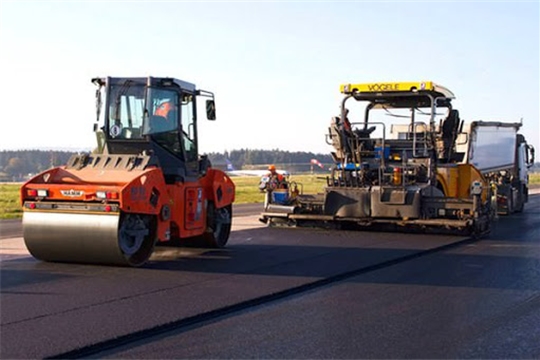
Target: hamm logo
x=72 y=193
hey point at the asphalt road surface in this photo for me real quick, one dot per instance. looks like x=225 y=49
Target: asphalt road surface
x=289 y=293
x=10 y=228
x=479 y=300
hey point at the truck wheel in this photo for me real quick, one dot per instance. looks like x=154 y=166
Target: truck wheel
x=136 y=238
x=219 y=223
x=520 y=207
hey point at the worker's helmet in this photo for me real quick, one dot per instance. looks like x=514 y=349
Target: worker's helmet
x=164 y=108
x=272 y=167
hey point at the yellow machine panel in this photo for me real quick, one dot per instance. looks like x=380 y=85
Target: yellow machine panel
x=456 y=180
x=396 y=87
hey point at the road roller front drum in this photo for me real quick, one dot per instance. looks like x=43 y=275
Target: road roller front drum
x=110 y=239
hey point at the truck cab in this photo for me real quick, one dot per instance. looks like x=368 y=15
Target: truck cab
x=503 y=156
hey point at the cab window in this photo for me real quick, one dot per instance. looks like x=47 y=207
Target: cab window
x=163 y=111
x=163 y=119
x=188 y=127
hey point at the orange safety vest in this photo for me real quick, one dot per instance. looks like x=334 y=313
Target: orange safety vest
x=164 y=108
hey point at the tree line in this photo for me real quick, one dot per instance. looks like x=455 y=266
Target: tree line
x=256 y=159
x=17 y=165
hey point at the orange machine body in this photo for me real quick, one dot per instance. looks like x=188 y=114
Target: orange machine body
x=179 y=208
x=145 y=182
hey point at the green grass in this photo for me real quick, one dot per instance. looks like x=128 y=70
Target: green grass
x=247 y=187
x=10 y=207
x=247 y=191
x=534 y=178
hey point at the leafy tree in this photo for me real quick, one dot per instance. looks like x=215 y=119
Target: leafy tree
x=15 y=167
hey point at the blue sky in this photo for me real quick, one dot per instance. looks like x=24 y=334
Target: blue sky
x=275 y=67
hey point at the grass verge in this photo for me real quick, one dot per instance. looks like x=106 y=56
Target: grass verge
x=534 y=178
x=10 y=207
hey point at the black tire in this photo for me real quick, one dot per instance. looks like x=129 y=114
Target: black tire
x=521 y=205
x=218 y=226
x=136 y=237
x=523 y=194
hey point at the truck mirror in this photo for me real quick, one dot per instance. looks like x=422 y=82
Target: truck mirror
x=210 y=109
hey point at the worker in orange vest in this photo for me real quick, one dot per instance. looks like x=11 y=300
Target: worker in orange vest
x=277 y=180
x=164 y=108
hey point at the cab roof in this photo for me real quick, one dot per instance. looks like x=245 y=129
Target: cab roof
x=399 y=94
x=399 y=87
x=148 y=81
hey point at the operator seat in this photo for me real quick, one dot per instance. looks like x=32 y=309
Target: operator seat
x=449 y=133
x=450 y=125
x=336 y=139
x=365 y=132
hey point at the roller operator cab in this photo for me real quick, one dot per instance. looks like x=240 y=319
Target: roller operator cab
x=400 y=174
x=144 y=184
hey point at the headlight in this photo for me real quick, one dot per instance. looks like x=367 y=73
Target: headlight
x=476 y=188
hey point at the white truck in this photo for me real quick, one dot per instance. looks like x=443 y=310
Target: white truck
x=503 y=156
x=499 y=152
